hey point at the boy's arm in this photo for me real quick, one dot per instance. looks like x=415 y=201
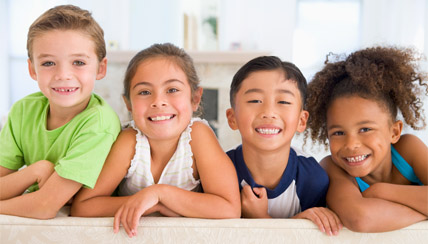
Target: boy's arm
x=44 y=203
x=363 y=214
x=5 y=171
x=98 y=201
x=16 y=182
x=415 y=152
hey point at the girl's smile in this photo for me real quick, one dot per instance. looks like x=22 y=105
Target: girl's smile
x=160 y=99
x=360 y=134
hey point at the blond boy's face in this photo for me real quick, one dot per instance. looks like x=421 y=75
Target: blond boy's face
x=268 y=111
x=65 y=67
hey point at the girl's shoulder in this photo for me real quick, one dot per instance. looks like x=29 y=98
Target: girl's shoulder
x=126 y=137
x=202 y=135
x=411 y=148
x=199 y=126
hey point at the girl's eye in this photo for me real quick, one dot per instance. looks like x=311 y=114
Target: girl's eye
x=78 y=63
x=365 y=129
x=338 y=133
x=172 y=90
x=284 y=102
x=48 y=63
x=255 y=101
x=144 y=93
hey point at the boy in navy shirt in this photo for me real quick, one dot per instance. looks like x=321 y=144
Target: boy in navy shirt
x=267 y=99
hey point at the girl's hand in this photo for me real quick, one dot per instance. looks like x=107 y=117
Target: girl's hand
x=254 y=206
x=326 y=220
x=162 y=209
x=130 y=212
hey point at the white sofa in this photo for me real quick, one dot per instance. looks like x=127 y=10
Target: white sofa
x=65 y=229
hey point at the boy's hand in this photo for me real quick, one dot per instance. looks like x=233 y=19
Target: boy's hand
x=326 y=220
x=254 y=206
x=130 y=212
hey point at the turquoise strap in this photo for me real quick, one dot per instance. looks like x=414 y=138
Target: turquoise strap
x=405 y=169
x=362 y=184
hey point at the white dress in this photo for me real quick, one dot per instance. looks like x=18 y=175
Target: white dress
x=178 y=172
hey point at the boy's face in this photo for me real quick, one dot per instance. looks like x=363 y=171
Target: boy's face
x=66 y=66
x=268 y=111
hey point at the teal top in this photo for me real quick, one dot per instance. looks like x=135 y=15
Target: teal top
x=400 y=163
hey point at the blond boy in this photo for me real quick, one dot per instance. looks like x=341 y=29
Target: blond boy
x=63 y=133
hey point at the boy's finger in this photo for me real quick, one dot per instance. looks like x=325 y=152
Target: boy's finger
x=315 y=218
x=326 y=219
x=337 y=224
x=247 y=191
x=262 y=192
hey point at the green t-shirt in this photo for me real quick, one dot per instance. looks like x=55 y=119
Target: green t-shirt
x=78 y=149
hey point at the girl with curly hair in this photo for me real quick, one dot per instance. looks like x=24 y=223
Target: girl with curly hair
x=378 y=177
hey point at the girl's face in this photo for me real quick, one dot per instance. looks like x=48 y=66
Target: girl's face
x=161 y=101
x=360 y=134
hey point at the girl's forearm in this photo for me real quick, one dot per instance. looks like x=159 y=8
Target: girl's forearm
x=376 y=215
x=99 y=206
x=415 y=197
x=196 y=204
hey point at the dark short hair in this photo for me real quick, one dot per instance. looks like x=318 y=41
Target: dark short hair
x=266 y=63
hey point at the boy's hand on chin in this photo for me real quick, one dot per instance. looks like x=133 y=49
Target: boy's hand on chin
x=254 y=202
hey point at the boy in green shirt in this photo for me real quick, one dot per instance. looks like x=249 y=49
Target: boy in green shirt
x=63 y=133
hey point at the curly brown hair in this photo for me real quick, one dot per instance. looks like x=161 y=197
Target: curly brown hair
x=387 y=75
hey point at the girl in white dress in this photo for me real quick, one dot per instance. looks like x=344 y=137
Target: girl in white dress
x=160 y=162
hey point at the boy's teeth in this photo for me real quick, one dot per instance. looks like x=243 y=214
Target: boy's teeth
x=65 y=90
x=160 y=118
x=268 y=131
x=356 y=159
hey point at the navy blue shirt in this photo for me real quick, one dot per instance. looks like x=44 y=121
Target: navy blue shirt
x=303 y=184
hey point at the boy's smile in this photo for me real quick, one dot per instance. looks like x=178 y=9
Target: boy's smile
x=267 y=111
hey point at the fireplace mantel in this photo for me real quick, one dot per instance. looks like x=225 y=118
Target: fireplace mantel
x=223 y=57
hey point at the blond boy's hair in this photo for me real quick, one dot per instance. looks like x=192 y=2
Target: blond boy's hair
x=67 y=17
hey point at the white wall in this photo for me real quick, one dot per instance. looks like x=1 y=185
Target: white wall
x=394 y=22
x=268 y=25
x=4 y=64
x=258 y=25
